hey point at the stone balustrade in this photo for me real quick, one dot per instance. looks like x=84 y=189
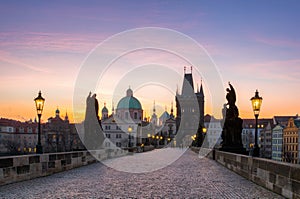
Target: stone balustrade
x=281 y=178
x=25 y=167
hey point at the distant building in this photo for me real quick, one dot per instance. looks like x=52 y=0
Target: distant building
x=121 y=128
x=291 y=141
x=277 y=142
x=283 y=120
x=266 y=140
x=248 y=132
x=60 y=135
x=280 y=123
x=167 y=125
x=213 y=131
x=17 y=137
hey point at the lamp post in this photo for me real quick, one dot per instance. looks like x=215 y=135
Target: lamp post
x=149 y=136
x=39 y=103
x=256 y=104
x=129 y=136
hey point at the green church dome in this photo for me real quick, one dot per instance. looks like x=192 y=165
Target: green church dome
x=129 y=103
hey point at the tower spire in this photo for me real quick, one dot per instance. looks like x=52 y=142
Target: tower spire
x=172 y=111
x=154 y=107
x=191 y=69
x=201 y=89
x=184 y=69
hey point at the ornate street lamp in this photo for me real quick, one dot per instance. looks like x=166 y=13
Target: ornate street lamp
x=256 y=104
x=129 y=136
x=39 y=103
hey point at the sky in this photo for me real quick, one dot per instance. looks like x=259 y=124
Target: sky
x=44 y=44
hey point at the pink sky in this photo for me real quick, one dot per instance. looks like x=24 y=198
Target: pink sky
x=43 y=45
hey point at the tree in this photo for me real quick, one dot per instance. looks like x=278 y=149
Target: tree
x=11 y=146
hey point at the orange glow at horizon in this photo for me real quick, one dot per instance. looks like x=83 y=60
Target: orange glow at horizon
x=23 y=111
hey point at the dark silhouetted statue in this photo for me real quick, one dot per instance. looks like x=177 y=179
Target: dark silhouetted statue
x=93 y=133
x=232 y=128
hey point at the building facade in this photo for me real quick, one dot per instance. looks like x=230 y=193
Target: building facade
x=213 y=130
x=291 y=142
x=277 y=142
x=266 y=141
x=122 y=128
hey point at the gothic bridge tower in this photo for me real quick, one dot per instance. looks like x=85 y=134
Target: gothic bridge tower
x=190 y=110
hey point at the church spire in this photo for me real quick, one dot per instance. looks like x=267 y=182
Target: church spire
x=201 y=89
x=172 y=111
x=154 y=107
x=66 y=117
x=113 y=108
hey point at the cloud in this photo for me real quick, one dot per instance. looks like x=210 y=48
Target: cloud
x=273 y=69
x=7 y=58
x=47 y=41
x=277 y=42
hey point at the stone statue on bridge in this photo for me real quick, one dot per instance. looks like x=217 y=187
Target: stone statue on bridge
x=232 y=128
x=93 y=133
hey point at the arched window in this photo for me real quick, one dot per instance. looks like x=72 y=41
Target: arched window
x=135 y=115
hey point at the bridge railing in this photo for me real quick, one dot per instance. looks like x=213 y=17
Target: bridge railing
x=25 y=167
x=282 y=178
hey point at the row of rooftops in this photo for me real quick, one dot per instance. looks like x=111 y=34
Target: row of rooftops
x=29 y=126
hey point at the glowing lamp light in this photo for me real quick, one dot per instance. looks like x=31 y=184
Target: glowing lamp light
x=39 y=103
x=256 y=103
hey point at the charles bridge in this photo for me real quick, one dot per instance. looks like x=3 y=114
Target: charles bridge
x=218 y=175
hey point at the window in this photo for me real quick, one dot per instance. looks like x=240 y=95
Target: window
x=135 y=115
x=107 y=135
x=118 y=144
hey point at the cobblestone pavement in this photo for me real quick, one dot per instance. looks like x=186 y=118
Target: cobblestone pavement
x=188 y=177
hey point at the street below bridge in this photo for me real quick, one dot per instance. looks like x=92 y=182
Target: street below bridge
x=187 y=177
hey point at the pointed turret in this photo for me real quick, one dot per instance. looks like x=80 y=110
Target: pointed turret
x=66 y=117
x=104 y=112
x=201 y=90
x=172 y=111
x=154 y=116
x=113 y=108
x=57 y=112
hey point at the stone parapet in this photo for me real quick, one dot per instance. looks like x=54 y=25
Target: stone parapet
x=25 y=167
x=281 y=178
